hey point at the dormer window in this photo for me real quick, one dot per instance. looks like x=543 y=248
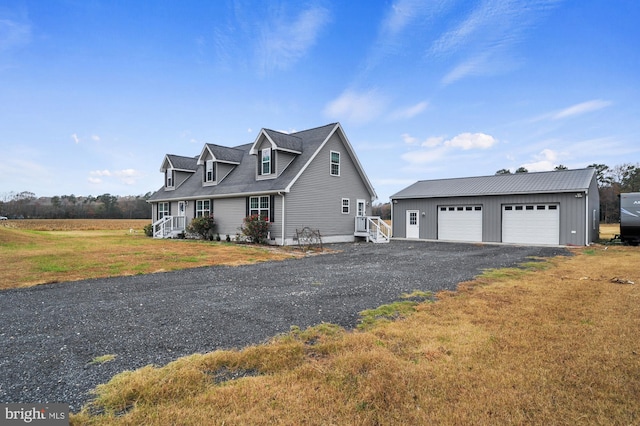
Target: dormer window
x=169 y=178
x=210 y=171
x=266 y=161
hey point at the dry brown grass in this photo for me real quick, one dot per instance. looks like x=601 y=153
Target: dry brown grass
x=77 y=224
x=555 y=344
x=48 y=251
x=609 y=230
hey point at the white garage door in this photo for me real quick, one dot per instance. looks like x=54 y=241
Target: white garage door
x=460 y=223
x=531 y=224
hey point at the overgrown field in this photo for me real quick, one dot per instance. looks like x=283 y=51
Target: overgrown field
x=551 y=343
x=48 y=251
x=609 y=230
x=77 y=224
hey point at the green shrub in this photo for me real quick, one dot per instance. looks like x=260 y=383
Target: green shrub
x=255 y=228
x=202 y=226
x=148 y=230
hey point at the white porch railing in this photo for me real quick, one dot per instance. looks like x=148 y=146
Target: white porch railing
x=373 y=228
x=169 y=226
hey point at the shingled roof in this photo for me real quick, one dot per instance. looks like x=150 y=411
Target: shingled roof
x=242 y=180
x=180 y=162
x=520 y=183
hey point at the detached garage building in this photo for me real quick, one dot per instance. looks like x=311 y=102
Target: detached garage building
x=556 y=208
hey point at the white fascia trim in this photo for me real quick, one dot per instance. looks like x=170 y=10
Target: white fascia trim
x=253 y=150
x=221 y=196
x=201 y=160
x=354 y=157
x=315 y=154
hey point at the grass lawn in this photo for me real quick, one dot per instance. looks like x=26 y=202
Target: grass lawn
x=49 y=251
x=554 y=342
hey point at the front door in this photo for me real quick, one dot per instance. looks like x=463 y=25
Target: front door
x=413 y=224
x=181 y=208
x=361 y=220
x=180 y=221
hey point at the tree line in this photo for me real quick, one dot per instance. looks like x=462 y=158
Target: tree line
x=25 y=205
x=611 y=183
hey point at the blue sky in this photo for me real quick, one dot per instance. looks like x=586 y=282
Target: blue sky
x=94 y=93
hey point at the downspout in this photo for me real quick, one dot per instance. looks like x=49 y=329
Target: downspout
x=283 y=230
x=588 y=213
x=391 y=202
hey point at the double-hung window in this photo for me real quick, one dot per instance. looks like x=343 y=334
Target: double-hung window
x=266 y=161
x=169 y=178
x=203 y=208
x=335 y=163
x=163 y=210
x=210 y=171
x=345 y=206
x=260 y=206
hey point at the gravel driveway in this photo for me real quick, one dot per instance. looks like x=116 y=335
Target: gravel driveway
x=50 y=333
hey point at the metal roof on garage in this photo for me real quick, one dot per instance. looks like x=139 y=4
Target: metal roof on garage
x=520 y=183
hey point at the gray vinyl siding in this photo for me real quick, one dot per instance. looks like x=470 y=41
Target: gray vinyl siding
x=572 y=214
x=228 y=213
x=283 y=159
x=222 y=170
x=259 y=147
x=180 y=177
x=315 y=199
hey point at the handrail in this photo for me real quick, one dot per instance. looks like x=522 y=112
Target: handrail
x=376 y=229
x=168 y=224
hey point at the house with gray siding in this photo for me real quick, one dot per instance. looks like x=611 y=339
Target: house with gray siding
x=310 y=178
x=559 y=207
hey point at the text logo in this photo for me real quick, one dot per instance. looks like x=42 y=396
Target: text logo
x=35 y=414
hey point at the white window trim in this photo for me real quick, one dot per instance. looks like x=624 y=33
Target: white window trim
x=261 y=209
x=347 y=205
x=206 y=171
x=201 y=210
x=267 y=163
x=161 y=211
x=331 y=163
x=169 y=178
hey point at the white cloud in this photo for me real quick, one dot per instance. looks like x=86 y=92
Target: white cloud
x=75 y=138
x=410 y=112
x=482 y=41
x=432 y=141
x=546 y=160
x=95 y=138
x=13 y=34
x=127 y=176
x=438 y=147
x=284 y=41
x=468 y=141
x=581 y=108
x=408 y=139
x=357 y=108
x=402 y=14
x=425 y=156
